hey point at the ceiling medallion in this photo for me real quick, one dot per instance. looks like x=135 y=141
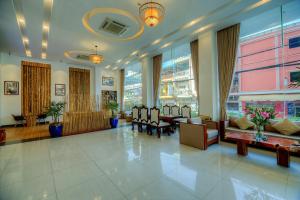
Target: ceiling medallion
x=96 y=58
x=152 y=13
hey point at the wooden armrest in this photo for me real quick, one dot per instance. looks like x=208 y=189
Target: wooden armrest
x=211 y=124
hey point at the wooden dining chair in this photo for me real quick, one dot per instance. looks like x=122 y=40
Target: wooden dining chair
x=135 y=117
x=186 y=111
x=175 y=111
x=155 y=122
x=166 y=110
x=144 y=118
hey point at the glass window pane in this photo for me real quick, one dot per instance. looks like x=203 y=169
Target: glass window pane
x=177 y=80
x=133 y=86
x=267 y=63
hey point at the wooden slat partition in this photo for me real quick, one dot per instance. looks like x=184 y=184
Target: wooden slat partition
x=81 y=122
x=79 y=90
x=36 y=87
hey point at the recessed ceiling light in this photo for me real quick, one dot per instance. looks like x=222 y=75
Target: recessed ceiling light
x=133 y=53
x=107 y=67
x=127 y=62
x=44 y=55
x=166 y=45
x=21 y=20
x=28 y=53
x=118 y=61
x=143 y=55
x=44 y=44
x=115 y=68
x=45 y=27
x=156 y=41
x=25 y=40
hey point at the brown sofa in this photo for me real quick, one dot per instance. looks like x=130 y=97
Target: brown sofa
x=199 y=135
x=230 y=125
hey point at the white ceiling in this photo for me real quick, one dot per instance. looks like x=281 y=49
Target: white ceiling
x=68 y=33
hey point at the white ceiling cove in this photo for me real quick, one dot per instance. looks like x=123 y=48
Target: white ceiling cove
x=67 y=32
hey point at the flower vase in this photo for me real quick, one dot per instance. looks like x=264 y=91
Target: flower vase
x=259 y=136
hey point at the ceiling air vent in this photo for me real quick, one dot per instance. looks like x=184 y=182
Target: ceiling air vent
x=114 y=27
x=82 y=57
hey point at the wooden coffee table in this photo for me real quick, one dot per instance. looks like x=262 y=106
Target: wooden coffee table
x=281 y=145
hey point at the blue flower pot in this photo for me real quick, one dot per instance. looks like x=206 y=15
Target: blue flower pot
x=55 y=130
x=113 y=122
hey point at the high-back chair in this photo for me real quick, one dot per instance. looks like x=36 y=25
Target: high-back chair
x=175 y=111
x=186 y=111
x=144 y=114
x=166 y=110
x=144 y=117
x=156 y=123
x=135 y=116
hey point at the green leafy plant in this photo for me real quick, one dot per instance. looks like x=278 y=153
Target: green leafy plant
x=113 y=106
x=56 y=110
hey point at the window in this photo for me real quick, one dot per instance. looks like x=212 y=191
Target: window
x=295 y=76
x=177 y=79
x=266 y=65
x=133 y=86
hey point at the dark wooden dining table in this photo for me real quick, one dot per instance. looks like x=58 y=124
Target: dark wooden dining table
x=170 y=120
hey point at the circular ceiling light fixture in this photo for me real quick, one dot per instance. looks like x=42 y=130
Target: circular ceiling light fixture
x=152 y=13
x=96 y=58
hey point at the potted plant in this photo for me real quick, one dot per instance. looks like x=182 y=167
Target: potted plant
x=260 y=117
x=55 y=111
x=113 y=106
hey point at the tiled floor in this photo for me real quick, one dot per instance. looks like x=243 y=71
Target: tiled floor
x=121 y=164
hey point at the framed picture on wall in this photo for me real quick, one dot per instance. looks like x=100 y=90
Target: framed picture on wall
x=60 y=89
x=107 y=81
x=11 y=87
x=108 y=96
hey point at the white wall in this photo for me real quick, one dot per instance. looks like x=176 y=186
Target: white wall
x=99 y=72
x=208 y=75
x=10 y=70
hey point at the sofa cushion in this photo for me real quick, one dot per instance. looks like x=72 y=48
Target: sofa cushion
x=286 y=127
x=244 y=123
x=232 y=122
x=212 y=133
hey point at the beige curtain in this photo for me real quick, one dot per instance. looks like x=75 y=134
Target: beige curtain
x=157 y=65
x=195 y=67
x=122 y=79
x=79 y=90
x=36 y=88
x=227 y=40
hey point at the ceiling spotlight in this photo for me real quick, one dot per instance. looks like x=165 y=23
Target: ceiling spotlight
x=133 y=53
x=44 y=56
x=156 y=41
x=25 y=40
x=28 y=53
x=107 y=67
x=21 y=20
x=166 y=45
x=45 y=27
x=96 y=58
x=127 y=63
x=44 y=44
x=115 y=68
x=120 y=60
x=152 y=13
x=143 y=55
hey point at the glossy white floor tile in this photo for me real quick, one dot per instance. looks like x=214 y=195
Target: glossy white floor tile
x=122 y=164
